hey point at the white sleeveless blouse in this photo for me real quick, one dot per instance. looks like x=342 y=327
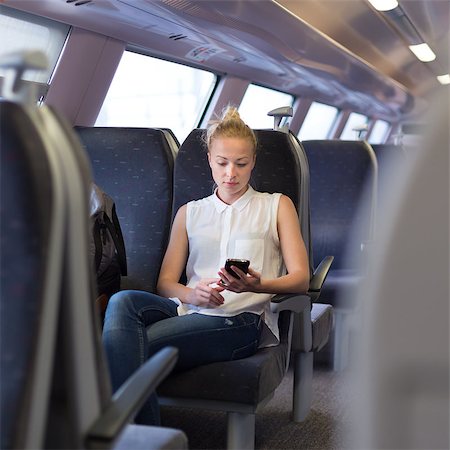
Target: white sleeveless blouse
x=247 y=229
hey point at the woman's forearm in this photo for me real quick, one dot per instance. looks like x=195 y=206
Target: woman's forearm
x=167 y=288
x=290 y=283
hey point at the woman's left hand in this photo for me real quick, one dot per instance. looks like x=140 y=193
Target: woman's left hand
x=249 y=282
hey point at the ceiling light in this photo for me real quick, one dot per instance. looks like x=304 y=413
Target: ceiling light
x=423 y=52
x=444 y=79
x=384 y=5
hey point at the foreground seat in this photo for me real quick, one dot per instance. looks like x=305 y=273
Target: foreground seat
x=56 y=391
x=246 y=385
x=31 y=249
x=403 y=382
x=343 y=176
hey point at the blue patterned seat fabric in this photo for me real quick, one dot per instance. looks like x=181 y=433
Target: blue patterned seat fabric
x=342 y=173
x=193 y=180
x=135 y=167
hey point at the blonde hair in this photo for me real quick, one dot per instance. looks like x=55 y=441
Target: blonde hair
x=230 y=125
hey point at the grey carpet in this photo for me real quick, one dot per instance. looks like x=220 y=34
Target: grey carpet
x=324 y=428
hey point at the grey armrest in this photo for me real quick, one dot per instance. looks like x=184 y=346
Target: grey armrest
x=319 y=276
x=130 y=397
x=290 y=302
x=298 y=302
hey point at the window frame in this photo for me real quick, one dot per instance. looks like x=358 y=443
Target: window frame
x=207 y=101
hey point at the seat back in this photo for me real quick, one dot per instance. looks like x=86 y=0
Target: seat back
x=193 y=179
x=55 y=386
x=31 y=250
x=343 y=177
x=135 y=167
x=342 y=173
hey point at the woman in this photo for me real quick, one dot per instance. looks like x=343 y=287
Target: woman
x=215 y=316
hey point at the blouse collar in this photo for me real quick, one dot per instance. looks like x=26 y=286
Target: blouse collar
x=239 y=204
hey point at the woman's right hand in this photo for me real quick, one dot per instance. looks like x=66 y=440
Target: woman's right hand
x=205 y=294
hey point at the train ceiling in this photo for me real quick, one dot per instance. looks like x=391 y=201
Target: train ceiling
x=382 y=39
x=342 y=51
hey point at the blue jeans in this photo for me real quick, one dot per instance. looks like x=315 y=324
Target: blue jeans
x=138 y=324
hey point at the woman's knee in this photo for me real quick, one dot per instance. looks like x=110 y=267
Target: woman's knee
x=120 y=305
x=144 y=307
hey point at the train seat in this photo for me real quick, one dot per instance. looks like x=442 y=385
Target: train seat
x=343 y=175
x=135 y=167
x=32 y=223
x=56 y=391
x=402 y=380
x=247 y=385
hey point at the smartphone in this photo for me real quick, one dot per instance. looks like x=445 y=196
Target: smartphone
x=242 y=264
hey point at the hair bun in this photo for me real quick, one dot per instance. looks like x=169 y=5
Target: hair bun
x=230 y=113
x=229 y=125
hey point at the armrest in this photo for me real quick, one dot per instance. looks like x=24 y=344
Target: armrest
x=298 y=302
x=290 y=302
x=132 y=394
x=318 y=277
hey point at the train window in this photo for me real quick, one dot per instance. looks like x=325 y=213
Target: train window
x=355 y=120
x=20 y=31
x=379 y=132
x=258 y=101
x=150 y=92
x=318 y=122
